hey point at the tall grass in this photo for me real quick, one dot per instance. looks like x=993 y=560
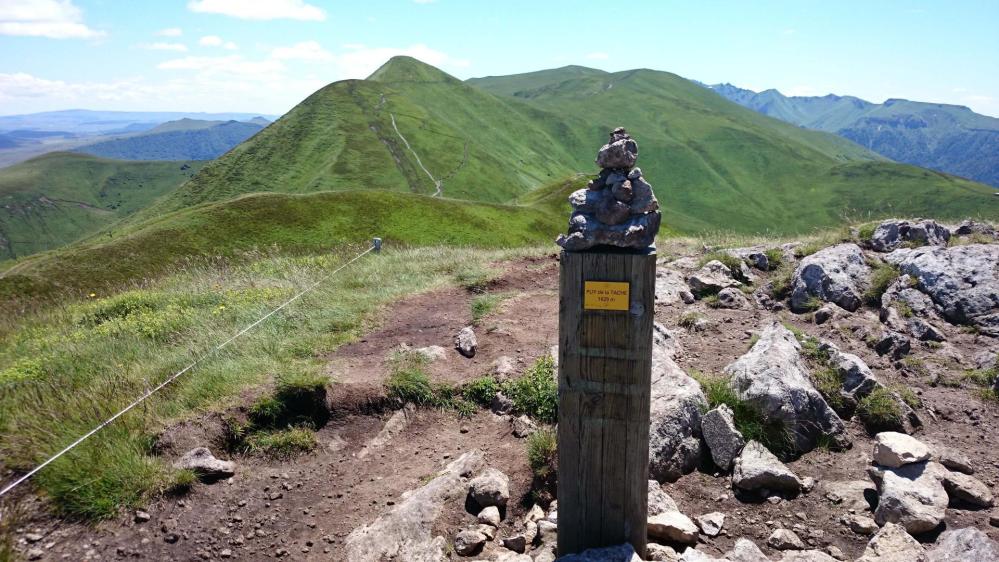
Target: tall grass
x=68 y=367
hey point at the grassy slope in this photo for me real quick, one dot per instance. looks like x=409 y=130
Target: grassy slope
x=60 y=197
x=718 y=165
x=295 y=223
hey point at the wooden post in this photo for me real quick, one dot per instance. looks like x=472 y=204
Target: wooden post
x=606 y=308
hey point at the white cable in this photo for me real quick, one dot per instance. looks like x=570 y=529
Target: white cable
x=176 y=375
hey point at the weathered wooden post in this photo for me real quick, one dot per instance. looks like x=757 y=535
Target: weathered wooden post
x=607 y=303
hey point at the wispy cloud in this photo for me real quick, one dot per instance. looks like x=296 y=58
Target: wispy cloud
x=260 y=9
x=216 y=41
x=164 y=46
x=170 y=32
x=306 y=50
x=55 y=19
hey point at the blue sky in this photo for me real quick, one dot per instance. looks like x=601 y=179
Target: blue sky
x=266 y=55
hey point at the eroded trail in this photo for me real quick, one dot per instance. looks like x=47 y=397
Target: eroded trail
x=438 y=184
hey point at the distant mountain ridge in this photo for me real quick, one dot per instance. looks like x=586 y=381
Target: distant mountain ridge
x=944 y=137
x=185 y=139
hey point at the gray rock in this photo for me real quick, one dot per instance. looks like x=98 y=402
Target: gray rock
x=205 y=465
x=510 y=556
x=755 y=256
x=785 y=539
x=659 y=500
x=621 y=152
x=838 y=274
x=620 y=553
x=912 y=496
x=806 y=556
x=895 y=343
x=967 y=489
x=469 y=542
x=823 y=314
x=523 y=426
x=952 y=459
x=465 y=342
x=745 y=550
x=671 y=287
x=964 y=545
x=492 y=487
x=712 y=278
x=858 y=379
x=893 y=544
x=672 y=526
x=660 y=553
x=860 y=524
x=758 y=469
x=963 y=281
x=490 y=516
x=893 y=233
x=849 y=494
x=432 y=352
x=405 y=531
x=723 y=439
x=772 y=377
x=675 y=412
x=585 y=232
x=893 y=449
x=711 y=523
x=732 y=298
x=969 y=227
x=547 y=531
x=501 y=404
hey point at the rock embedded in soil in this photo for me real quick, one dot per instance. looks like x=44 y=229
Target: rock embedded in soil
x=490 y=516
x=661 y=553
x=732 y=298
x=723 y=439
x=745 y=550
x=711 y=523
x=860 y=524
x=465 y=342
x=893 y=544
x=205 y=465
x=523 y=426
x=469 y=542
x=712 y=278
x=891 y=234
x=784 y=539
x=953 y=459
x=672 y=526
x=432 y=353
x=893 y=449
x=659 y=501
x=967 y=489
x=491 y=488
x=838 y=274
x=912 y=496
x=756 y=468
x=773 y=378
x=964 y=545
x=671 y=287
x=822 y=315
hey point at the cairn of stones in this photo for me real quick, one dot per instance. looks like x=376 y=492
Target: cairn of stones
x=618 y=208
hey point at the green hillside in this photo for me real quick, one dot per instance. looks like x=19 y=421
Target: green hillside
x=60 y=197
x=297 y=223
x=187 y=139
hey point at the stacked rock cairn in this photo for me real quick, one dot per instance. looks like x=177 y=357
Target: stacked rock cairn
x=618 y=208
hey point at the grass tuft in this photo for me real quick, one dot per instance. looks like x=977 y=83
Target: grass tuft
x=775 y=258
x=880 y=410
x=481 y=390
x=542 y=452
x=882 y=276
x=749 y=420
x=536 y=392
x=484 y=304
x=282 y=443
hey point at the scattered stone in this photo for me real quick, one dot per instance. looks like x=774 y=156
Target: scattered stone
x=465 y=342
x=964 y=545
x=490 y=516
x=838 y=274
x=912 y=496
x=758 y=469
x=675 y=412
x=860 y=524
x=502 y=405
x=405 y=531
x=824 y=314
x=732 y=298
x=547 y=530
x=671 y=287
x=745 y=550
x=711 y=523
x=520 y=541
x=784 y=539
x=893 y=449
x=723 y=439
x=806 y=556
x=205 y=465
x=488 y=530
x=712 y=278
x=659 y=500
x=33 y=537
x=141 y=516
x=523 y=426
x=469 y=542
x=893 y=544
x=619 y=553
x=893 y=233
x=432 y=353
x=895 y=343
x=773 y=378
x=673 y=526
x=994 y=519
x=225 y=553
x=35 y=553
x=491 y=488
x=967 y=489
x=835 y=552
x=661 y=553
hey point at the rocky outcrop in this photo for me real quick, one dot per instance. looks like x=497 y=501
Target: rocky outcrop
x=675 y=412
x=671 y=287
x=912 y=496
x=659 y=501
x=962 y=281
x=758 y=469
x=720 y=434
x=405 y=532
x=773 y=378
x=838 y=274
x=891 y=234
x=964 y=545
x=906 y=309
x=618 y=208
x=711 y=279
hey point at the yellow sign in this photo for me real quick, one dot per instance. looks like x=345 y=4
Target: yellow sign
x=605 y=295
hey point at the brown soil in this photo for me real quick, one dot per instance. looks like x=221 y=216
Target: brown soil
x=320 y=497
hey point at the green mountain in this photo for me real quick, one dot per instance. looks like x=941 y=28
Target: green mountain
x=948 y=138
x=185 y=139
x=57 y=198
x=717 y=165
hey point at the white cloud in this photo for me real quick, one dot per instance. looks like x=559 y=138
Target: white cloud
x=170 y=32
x=210 y=41
x=21 y=85
x=231 y=65
x=56 y=19
x=597 y=56
x=306 y=50
x=164 y=46
x=260 y=9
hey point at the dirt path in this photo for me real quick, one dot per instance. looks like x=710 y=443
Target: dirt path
x=437 y=183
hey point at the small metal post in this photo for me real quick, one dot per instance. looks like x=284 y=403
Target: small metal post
x=377 y=243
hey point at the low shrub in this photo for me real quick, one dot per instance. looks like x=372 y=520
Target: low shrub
x=536 y=392
x=542 y=452
x=474 y=278
x=481 y=390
